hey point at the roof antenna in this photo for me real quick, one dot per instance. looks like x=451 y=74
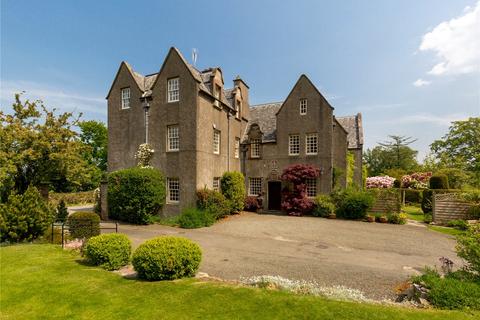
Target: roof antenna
x=194 y=56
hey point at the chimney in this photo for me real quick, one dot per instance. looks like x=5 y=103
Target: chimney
x=238 y=82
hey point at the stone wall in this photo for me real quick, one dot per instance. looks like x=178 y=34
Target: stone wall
x=448 y=206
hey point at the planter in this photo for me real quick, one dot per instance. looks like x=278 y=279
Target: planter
x=332 y=216
x=383 y=219
x=370 y=218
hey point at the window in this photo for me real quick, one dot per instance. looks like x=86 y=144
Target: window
x=173 y=138
x=311 y=187
x=303 y=106
x=237 y=148
x=216 y=141
x=216 y=183
x=238 y=107
x=311 y=143
x=217 y=91
x=254 y=186
x=294 y=145
x=173 y=93
x=173 y=189
x=255 y=148
x=125 y=98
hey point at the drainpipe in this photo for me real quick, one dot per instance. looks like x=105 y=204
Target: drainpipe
x=228 y=140
x=146 y=107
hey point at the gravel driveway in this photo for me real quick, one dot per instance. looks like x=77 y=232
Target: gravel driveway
x=371 y=257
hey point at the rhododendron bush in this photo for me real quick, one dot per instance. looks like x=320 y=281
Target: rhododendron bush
x=380 y=182
x=295 y=201
x=417 y=180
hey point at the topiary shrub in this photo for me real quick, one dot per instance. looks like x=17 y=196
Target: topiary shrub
x=111 y=251
x=213 y=202
x=251 y=204
x=233 y=188
x=167 y=258
x=324 y=206
x=427 y=197
x=397 y=183
x=135 y=194
x=25 y=217
x=192 y=218
x=439 y=181
x=83 y=224
x=353 y=204
x=62 y=212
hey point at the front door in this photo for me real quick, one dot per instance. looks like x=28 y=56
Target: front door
x=274 y=195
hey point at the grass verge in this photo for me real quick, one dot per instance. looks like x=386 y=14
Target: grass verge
x=414 y=213
x=446 y=230
x=43 y=282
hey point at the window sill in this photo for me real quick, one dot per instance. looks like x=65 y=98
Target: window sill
x=173 y=101
x=311 y=154
x=172 y=202
x=294 y=155
x=173 y=151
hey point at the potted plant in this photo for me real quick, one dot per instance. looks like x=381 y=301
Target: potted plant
x=383 y=219
x=332 y=216
x=370 y=218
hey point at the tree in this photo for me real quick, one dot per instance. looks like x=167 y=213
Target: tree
x=460 y=147
x=94 y=135
x=37 y=145
x=295 y=200
x=394 y=154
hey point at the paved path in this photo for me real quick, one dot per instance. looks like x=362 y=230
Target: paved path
x=371 y=257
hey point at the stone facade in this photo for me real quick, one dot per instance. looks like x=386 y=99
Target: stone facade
x=215 y=128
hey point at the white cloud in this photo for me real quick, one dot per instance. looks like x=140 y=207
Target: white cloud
x=421 y=83
x=52 y=97
x=440 y=120
x=456 y=43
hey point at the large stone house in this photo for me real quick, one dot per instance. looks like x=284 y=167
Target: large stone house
x=199 y=129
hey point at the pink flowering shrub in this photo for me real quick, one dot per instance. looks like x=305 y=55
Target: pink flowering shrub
x=295 y=201
x=417 y=180
x=380 y=182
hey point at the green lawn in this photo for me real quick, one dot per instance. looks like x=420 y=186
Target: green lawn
x=446 y=230
x=41 y=281
x=414 y=213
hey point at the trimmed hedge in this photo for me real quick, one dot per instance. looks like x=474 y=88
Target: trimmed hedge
x=439 y=181
x=353 y=204
x=135 y=194
x=233 y=188
x=111 y=251
x=324 y=206
x=167 y=258
x=83 y=224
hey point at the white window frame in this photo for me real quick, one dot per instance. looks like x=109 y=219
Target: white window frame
x=173 y=89
x=254 y=186
x=173 y=138
x=173 y=190
x=125 y=97
x=255 y=148
x=216 y=141
x=311 y=144
x=311 y=187
x=303 y=106
x=294 y=145
x=216 y=183
x=237 y=148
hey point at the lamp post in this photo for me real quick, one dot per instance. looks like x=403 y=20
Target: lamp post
x=146 y=108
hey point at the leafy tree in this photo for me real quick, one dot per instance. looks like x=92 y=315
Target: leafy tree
x=94 y=135
x=460 y=147
x=37 y=145
x=393 y=154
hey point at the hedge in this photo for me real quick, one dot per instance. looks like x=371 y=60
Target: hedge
x=83 y=224
x=233 y=188
x=111 y=251
x=84 y=197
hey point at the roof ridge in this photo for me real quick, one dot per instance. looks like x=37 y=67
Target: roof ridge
x=264 y=104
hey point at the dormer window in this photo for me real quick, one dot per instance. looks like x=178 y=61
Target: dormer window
x=125 y=98
x=173 y=90
x=303 y=107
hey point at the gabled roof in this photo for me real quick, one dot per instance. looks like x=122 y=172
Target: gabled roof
x=353 y=125
x=265 y=115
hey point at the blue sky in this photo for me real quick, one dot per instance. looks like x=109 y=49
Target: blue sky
x=410 y=67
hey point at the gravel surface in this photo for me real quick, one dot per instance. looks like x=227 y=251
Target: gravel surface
x=371 y=257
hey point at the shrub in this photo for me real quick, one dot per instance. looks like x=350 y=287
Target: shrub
x=167 y=258
x=417 y=180
x=397 y=218
x=25 y=217
x=458 y=224
x=251 y=204
x=397 y=183
x=295 y=201
x=380 y=182
x=324 y=206
x=233 y=188
x=213 y=202
x=427 y=200
x=449 y=292
x=468 y=248
x=110 y=251
x=428 y=218
x=457 y=178
x=62 y=211
x=192 y=218
x=439 y=181
x=353 y=204
x=135 y=194
x=413 y=195
x=473 y=197
x=83 y=224
x=71 y=198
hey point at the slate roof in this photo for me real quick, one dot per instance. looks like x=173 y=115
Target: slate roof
x=353 y=125
x=264 y=115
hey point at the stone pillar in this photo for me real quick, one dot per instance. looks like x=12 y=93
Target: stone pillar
x=103 y=200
